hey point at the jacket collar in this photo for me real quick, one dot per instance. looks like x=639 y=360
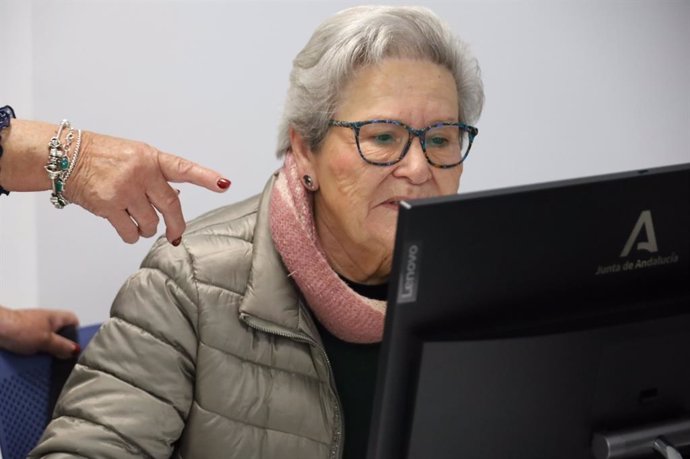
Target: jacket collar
x=271 y=297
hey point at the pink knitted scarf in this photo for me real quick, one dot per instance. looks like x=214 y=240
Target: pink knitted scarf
x=348 y=315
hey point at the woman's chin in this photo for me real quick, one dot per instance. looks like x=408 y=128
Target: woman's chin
x=382 y=236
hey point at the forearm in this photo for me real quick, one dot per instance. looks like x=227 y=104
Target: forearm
x=25 y=145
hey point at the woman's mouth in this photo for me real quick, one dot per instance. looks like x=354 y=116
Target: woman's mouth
x=394 y=203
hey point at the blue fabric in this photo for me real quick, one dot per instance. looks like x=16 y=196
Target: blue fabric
x=6 y=115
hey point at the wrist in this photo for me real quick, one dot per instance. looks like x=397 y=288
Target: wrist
x=74 y=190
x=62 y=159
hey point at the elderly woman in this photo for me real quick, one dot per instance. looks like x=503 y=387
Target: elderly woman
x=257 y=337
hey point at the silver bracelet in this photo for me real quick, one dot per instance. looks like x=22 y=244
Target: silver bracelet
x=75 y=157
x=58 y=166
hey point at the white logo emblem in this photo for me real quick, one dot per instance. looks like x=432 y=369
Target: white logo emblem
x=644 y=222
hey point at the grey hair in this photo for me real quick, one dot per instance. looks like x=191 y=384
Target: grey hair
x=365 y=35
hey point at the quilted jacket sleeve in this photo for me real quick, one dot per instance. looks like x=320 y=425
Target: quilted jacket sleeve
x=131 y=391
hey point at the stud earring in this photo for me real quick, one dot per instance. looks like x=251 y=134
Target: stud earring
x=309 y=182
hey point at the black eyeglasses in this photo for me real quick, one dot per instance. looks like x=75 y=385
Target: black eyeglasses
x=386 y=142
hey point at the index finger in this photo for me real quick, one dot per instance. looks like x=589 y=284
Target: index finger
x=61 y=347
x=177 y=169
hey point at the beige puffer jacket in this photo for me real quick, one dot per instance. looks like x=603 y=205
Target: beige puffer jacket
x=209 y=353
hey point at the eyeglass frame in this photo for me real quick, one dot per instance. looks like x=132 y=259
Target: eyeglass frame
x=471 y=131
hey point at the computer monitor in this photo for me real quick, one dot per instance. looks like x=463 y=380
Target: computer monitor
x=539 y=322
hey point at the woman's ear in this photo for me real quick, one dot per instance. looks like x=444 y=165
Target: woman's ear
x=304 y=158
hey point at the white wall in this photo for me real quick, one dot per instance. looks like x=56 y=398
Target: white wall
x=18 y=254
x=574 y=88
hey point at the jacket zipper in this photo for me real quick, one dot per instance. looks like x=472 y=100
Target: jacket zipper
x=336 y=449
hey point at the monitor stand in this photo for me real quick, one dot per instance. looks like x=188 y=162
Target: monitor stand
x=664 y=438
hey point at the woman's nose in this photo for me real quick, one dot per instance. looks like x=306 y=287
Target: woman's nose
x=414 y=166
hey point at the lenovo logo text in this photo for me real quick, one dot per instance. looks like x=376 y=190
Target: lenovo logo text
x=409 y=274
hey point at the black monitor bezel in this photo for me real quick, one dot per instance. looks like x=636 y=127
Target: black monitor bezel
x=387 y=439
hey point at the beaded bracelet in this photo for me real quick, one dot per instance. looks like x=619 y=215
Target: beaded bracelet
x=59 y=167
x=6 y=115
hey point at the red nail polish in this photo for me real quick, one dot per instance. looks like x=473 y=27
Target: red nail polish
x=223 y=183
x=177 y=241
x=77 y=350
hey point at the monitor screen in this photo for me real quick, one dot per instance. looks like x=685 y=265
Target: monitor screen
x=533 y=322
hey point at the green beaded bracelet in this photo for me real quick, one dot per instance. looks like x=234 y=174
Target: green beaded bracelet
x=58 y=164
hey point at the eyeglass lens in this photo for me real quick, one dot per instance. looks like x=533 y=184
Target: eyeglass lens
x=384 y=142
